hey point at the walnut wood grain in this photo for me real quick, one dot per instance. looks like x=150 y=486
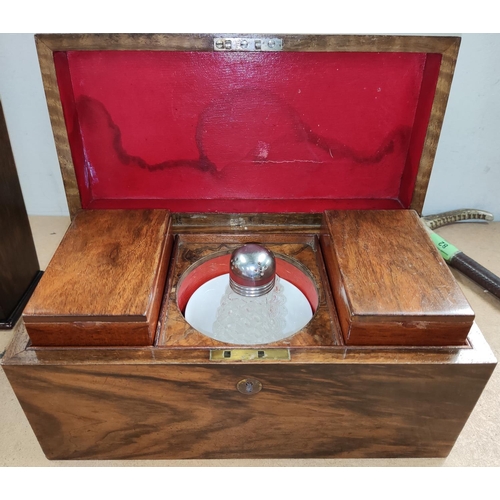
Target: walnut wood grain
x=341 y=401
x=389 y=282
x=110 y=268
x=21 y=353
x=86 y=332
x=126 y=41
x=19 y=267
x=216 y=223
x=49 y=78
x=174 y=412
x=204 y=41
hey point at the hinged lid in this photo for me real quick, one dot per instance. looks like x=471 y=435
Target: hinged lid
x=390 y=284
x=104 y=285
x=179 y=122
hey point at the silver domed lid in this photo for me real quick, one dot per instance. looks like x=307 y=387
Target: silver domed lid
x=252 y=270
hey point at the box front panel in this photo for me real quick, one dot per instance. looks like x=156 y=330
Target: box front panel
x=178 y=411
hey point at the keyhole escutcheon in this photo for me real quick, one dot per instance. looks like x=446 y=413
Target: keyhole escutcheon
x=249 y=386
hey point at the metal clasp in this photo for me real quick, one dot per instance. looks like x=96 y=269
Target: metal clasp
x=234 y=355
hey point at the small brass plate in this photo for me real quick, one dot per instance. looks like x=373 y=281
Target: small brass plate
x=232 y=355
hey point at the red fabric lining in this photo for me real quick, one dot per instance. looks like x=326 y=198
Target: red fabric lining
x=201 y=131
x=220 y=265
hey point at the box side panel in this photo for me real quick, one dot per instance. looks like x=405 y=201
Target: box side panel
x=337 y=283
x=175 y=411
x=418 y=140
x=406 y=332
x=87 y=333
x=61 y=82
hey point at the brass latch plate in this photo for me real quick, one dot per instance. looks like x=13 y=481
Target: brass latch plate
x=232 y=355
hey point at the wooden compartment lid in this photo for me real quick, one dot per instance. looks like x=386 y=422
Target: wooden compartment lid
x=390 y=284
x=104 y=284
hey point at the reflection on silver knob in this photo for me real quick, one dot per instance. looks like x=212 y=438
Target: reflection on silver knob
x=252 y=270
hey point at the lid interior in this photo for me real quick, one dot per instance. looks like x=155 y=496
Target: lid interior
x=246 y=132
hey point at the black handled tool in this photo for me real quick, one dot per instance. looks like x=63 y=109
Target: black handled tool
x=455 y=257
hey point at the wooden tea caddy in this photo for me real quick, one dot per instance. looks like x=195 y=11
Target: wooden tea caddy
x=306 y=144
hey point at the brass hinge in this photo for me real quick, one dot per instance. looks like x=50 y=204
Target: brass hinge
x=248 y=44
